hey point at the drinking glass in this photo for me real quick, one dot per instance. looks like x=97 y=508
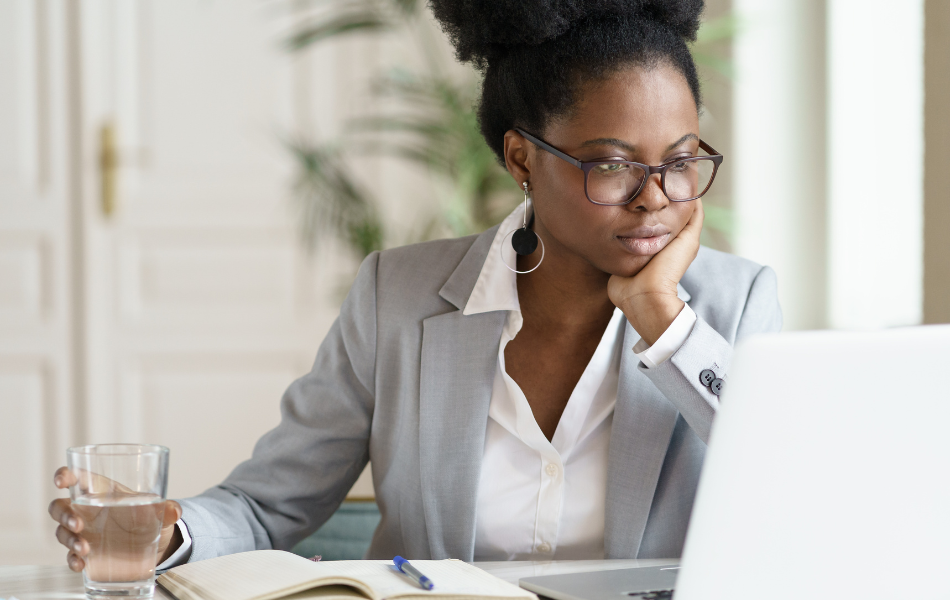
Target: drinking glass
x=120 y=495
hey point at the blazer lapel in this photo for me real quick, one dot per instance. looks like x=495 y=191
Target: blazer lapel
x=459 y=354
x=643 y=424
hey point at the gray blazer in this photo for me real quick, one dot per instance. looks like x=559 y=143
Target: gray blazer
x=404 y=379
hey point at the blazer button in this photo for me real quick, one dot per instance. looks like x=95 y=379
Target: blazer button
x=716 y=386
x=707 y=377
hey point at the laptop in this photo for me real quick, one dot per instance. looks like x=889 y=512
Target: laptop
x=827 y=476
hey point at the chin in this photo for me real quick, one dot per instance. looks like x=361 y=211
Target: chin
x=628 y=266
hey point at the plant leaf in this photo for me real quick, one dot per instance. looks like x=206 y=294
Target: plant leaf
x=721 y=28
x=331 y=202
x=349 y=23
x=711 y=32
x=408 y=7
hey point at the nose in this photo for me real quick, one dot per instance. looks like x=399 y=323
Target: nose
x=651 y=198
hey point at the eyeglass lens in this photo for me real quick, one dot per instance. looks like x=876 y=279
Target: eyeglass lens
x=614 y=183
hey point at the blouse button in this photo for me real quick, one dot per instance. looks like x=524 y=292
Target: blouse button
x=544 y=547
x=551 y=470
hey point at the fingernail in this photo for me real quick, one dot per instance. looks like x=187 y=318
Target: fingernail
x=58 y=481
x=77 y=546
x=73 y=523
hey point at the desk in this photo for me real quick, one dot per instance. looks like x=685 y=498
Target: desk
x=59 y=583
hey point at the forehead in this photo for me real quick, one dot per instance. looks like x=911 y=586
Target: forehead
x=637 y=104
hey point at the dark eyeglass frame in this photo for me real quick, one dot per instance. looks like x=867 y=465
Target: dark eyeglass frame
x=587 y=165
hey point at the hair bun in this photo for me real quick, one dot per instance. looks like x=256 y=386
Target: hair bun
x=484 y=29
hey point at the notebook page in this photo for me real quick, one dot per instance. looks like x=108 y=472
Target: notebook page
x=327 y=592
x=258 y=575
x=452 y=578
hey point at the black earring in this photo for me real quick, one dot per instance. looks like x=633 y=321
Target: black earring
x=524 y=241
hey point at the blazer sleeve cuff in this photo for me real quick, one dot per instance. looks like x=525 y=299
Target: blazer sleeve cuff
x=220 y=523
x=671 y=340
x=180 y=556
x=679 y=377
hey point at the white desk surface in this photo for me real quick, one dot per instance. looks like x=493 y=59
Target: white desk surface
x=59 y=583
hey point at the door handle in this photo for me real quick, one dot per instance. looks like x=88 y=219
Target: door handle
x=108 y=166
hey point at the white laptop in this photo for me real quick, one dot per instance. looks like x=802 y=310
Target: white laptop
x=827 y=476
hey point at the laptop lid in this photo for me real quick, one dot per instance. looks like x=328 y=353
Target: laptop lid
x=649 y=582
x=828 y=471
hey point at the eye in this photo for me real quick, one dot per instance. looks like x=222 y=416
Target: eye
x=679 y=167
x=611 y=169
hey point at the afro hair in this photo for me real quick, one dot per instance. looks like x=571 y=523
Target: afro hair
x=535 y=54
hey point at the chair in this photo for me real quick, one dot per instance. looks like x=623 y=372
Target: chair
x=346 y=535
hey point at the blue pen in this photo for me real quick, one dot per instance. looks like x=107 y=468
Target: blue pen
x=403 y=565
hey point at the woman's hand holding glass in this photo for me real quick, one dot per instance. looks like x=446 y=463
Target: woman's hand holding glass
x=71 y=523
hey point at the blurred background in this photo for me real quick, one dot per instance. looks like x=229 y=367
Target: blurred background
x=188 y=186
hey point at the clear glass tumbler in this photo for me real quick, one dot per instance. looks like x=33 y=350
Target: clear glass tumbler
x=121 y=497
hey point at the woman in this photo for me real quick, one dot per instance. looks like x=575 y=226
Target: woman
x=562 y=412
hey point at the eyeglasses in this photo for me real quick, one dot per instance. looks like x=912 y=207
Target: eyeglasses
x=612 y=182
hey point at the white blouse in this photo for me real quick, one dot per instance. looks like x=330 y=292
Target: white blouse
x=540 y=499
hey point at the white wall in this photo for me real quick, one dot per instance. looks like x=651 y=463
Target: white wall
x=875 y=152
x=779 y=137
x=821 y=86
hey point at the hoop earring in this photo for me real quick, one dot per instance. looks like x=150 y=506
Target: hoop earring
x=524 y=241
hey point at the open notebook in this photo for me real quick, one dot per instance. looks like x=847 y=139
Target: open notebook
x=271 y=574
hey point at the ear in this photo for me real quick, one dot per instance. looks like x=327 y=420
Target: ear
x=519 y=153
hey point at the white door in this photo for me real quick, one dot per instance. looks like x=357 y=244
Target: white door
x=186 y=306
x=201 y=306
x=36 y=255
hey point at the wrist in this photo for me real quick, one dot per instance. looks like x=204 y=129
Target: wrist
x=651 y=315
x=173 y=544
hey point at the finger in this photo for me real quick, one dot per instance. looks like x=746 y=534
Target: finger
x=72 y=541
x=94 y=483
x=695 y=223
x=670 y=263
x=62 y=512
x=63 y=478
x=173 y=512
x=75 y=563
x=687 y=240
x=686 y=243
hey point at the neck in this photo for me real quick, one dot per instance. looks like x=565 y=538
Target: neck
x=566 y=291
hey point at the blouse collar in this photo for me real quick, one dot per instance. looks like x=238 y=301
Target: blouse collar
x=497 y=286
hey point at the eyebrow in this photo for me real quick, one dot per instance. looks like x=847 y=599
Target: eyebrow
x=630 y=148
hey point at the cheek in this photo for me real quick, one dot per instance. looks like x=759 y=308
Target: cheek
x=681 y=212
x=571 y=218
x=563 y=205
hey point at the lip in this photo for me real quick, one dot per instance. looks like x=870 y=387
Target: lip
x=645 y=240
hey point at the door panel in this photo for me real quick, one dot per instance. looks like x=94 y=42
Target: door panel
x=222 y=392
x=202 y=306
x=36 y=388
x=24 y=279
x=181 y=315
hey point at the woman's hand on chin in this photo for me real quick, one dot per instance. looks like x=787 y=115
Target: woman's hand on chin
x=648 y=299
